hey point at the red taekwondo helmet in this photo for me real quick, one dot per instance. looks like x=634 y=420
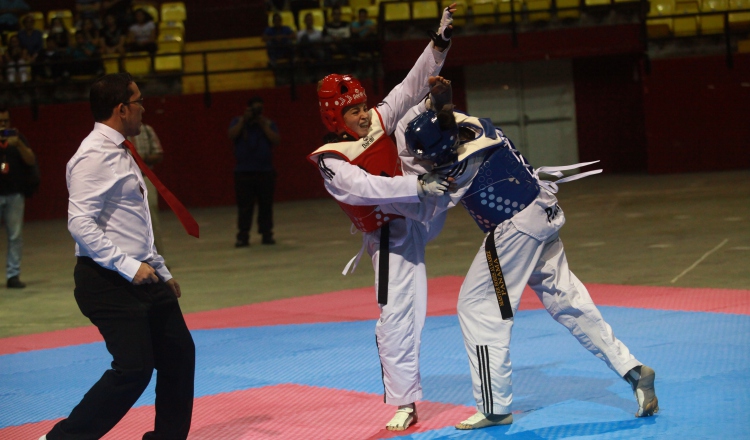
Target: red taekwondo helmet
x=335 y=93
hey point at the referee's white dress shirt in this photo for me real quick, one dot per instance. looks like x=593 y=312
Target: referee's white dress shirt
x=108 y=214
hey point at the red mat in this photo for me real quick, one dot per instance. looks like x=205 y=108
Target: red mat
x=360 y=304
x=278 y=412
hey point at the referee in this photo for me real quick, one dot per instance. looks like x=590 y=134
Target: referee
x=121 y=283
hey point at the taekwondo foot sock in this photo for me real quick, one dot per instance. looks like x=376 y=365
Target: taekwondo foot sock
x=482 y=420
x=641 y=379
x=405 y=416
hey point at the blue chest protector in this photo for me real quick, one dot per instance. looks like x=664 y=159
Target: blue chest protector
x=502 y=187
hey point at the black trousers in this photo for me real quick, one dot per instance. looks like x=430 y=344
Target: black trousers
x=249 y=188
x=143 y=329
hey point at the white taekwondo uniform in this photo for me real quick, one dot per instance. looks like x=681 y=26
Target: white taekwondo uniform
x=506 y=197
x=398 y=331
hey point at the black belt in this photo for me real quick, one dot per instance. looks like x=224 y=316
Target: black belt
x=501 y=291
x=385 y=233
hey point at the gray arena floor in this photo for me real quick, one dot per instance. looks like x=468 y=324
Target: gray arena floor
x=621 y=229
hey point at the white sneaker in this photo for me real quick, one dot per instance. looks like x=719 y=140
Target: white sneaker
x=482 y=420
x=641 y=379
x=404 y=417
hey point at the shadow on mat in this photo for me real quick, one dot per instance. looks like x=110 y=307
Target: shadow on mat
x=547 y=433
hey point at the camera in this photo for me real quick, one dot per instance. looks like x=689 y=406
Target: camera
x=8 y=132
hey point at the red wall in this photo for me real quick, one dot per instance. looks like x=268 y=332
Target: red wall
x=697 y=114
x=609 y=112
x=198 y=160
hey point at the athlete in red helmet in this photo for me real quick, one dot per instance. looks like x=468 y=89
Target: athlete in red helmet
x=360 y=168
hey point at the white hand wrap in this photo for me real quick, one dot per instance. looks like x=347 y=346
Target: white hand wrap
x=446 y=20
x=432 y=185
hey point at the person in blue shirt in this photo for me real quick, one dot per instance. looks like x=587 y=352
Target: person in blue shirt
x=31 y=39
x=254 y=137
x=278 y=39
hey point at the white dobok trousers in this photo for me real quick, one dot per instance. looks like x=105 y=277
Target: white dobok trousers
x=398 y=332
x=543 y=265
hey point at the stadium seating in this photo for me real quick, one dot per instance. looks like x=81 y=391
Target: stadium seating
x=65 y=14
x=111 y=62
x=424 y=9
x=249 y=59
x=173 y=11
x=660 y=27
x=373 y=11
x=38 y=20
x=484 y=11
x=739 y=20
x=356 y=5
x=137 y=63
x=538 y=10
x=346 y=13
x=569 y=14
x=397 y=11
x=713 y=24
x=686 y=26
x=169 y=44
x=149 y=9
x=174 y=28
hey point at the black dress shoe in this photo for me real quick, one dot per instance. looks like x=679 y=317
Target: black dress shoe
x=242 y=243
x=15 y=283
x=268 y=239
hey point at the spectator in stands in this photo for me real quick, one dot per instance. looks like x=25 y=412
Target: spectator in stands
x=148 y=146
x=278 y=39
x=363 y=28
x=59 y=32
x=91 y=31
x=113 y=39
x=10 y=10
x=310 y=50
x=30 y=39
x=88 y=9
x=50 y=63
x=308 y=33
x=364 y=34
x=338 y=33
x=15 y=155
x=297 y=5
x=254 y=137
x=121 y=9
x=84 y=57
x=142 y=33
x=16 y=61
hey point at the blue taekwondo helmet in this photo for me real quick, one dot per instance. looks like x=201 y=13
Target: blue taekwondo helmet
x=427 y=140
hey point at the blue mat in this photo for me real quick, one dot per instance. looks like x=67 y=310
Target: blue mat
x=702 y=362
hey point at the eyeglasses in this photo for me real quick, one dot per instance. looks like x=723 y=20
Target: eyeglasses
x=139 y=101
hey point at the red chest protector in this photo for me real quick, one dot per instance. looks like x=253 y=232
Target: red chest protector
x=375 y=153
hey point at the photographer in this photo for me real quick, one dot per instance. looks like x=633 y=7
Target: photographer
x=254 y=136
x=15 y=160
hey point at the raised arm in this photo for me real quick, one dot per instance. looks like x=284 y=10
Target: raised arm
x=415 y=86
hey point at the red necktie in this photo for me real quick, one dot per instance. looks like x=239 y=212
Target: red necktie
x=187 y=220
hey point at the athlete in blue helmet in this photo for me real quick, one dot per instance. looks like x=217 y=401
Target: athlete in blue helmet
x=508 y=200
